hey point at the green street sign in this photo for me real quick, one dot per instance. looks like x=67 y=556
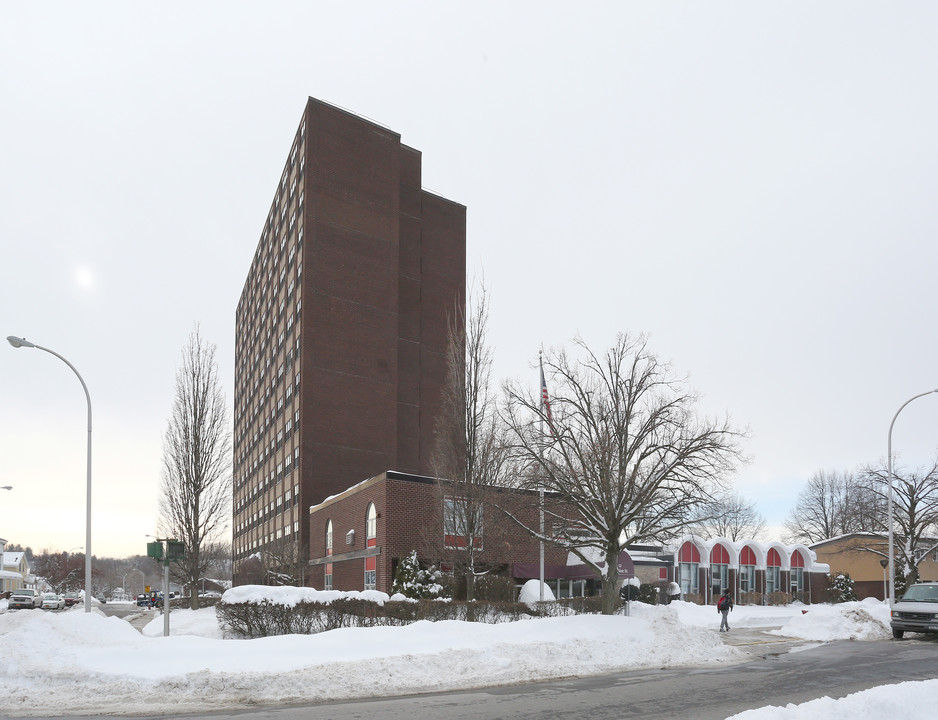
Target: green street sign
x=175 y=550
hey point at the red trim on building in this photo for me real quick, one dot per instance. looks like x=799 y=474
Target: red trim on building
x=773 y=559
x=719 y=555
x=689 y=553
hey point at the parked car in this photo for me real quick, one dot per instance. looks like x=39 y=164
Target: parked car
x=24 y=598
x=916 y=611
x=51 y=601
x=71 y=598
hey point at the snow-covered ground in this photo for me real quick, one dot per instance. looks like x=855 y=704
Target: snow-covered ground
x=74 y=662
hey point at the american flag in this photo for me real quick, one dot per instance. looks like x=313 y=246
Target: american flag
x=545 y=399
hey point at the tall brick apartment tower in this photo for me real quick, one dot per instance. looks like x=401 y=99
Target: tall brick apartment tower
x=341 y=327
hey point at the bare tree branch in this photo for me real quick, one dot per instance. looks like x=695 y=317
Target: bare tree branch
x=195 y=492
x=730 y=516
x=470 y=450
x=915 y=509
x=833 y=504
x=626 y=450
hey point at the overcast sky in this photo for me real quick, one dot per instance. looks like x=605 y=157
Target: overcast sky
x=751 y=184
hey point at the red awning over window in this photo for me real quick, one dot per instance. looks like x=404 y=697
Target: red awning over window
x=689 y=553
x=719 y=555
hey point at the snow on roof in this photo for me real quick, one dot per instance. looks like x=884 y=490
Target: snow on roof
x=12 y=558
x=846 y=536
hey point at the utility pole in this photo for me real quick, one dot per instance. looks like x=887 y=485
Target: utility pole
x=174 y=550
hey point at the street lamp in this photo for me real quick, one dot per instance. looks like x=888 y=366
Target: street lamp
x=19 y=342
x=892 y=562
x=884 y=563
x=3 y=487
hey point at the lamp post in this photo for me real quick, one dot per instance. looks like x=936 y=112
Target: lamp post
x=892 y=562
x=19 y=342
x=3 y=487
x=884 y=562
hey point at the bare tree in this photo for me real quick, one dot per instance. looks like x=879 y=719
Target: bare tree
x=730 y=516
x=832 y=504
x=63 y=571
x=469 y=452
x=915 y=509
x=625 y=450
x=285 y=562
x=195 y=493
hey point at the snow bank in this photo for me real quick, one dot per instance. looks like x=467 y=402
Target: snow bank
x=120 y=668
x=866 y=620
x=291 y=596
x=79 y=663
x=531 y=592
x=905 y=700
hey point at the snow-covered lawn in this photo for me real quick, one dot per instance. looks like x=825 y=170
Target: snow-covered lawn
x=74 y=662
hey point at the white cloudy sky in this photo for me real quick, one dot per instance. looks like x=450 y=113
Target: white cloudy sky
x=751 y=184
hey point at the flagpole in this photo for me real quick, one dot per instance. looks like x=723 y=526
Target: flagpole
x=541 y=489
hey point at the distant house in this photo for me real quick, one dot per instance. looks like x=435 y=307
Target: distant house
x=859 y=555
x=15 y=571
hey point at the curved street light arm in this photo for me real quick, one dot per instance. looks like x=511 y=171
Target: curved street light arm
x=892 y=564
x=19 y=342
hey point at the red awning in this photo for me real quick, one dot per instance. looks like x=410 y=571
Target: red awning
x=570 y=572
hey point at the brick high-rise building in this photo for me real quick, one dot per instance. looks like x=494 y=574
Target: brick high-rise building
x=341 y=327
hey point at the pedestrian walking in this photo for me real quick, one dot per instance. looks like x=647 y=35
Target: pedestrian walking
x=724 y=605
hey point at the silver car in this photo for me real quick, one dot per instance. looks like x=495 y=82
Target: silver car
x=51 y=601
x=917 y=611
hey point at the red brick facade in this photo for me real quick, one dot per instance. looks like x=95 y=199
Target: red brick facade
x=341 y=328
x=410 y=517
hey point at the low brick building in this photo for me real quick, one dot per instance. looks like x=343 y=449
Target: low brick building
x=755 y=572
x=358 y=536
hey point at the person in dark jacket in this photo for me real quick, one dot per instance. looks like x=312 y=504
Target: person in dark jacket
x=724 y=605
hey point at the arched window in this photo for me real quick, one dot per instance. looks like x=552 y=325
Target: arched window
x=747 y=573
x=371 y=526
x=773 y=567
x=797 y=572
x=719 y=570
x=371 y=540
x=328 y=581
x=688 y=564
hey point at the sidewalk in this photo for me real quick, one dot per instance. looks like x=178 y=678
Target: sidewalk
x=758 y=643
x=143 y=618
